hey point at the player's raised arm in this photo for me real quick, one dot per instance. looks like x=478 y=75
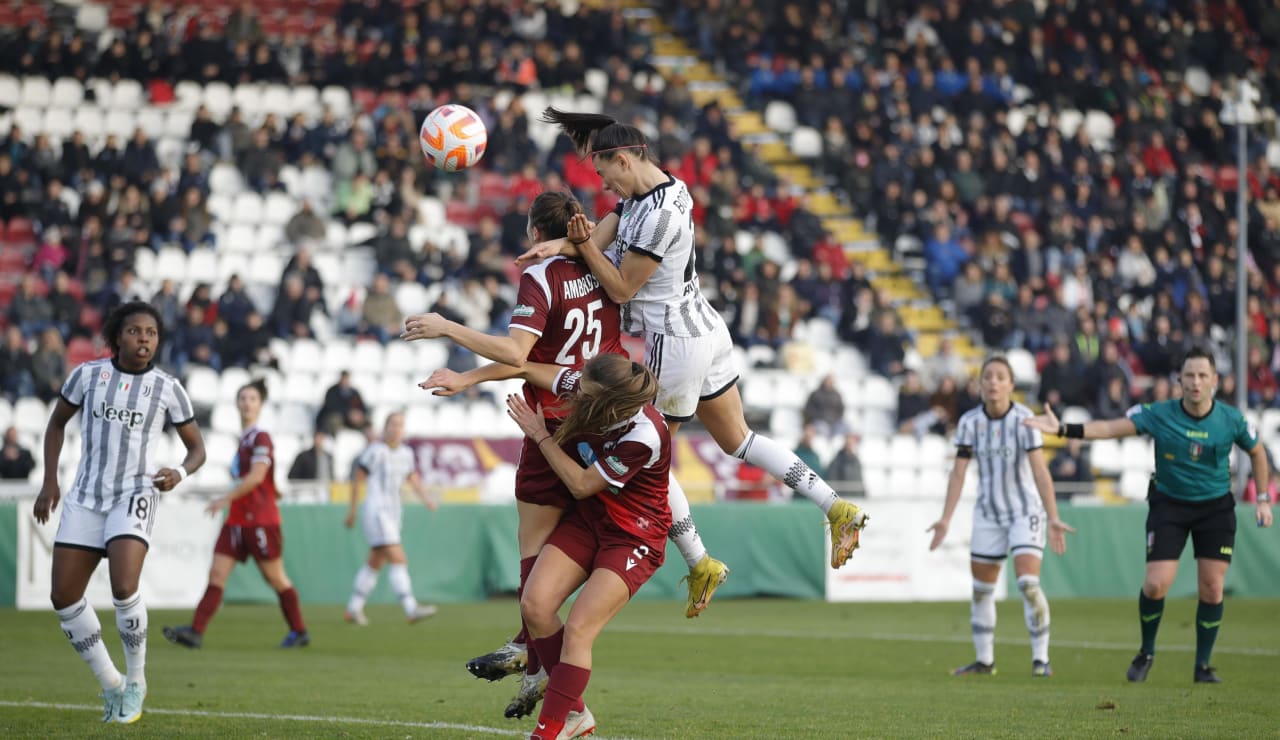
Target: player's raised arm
x=955 y=485
x=509 y=350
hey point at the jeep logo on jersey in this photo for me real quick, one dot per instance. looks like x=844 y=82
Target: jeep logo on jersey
x=122 y=414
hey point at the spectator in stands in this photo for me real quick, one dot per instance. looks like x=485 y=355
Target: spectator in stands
x=845 y=470
x=1113 y=399
x=139 y=162
x=381 y=317
x=16 y=462
x=353 y=157
x=234 y=306
x=1262 y=386
x=1070 y=466
x=805 y=447
x=194 y=227
x=49 y=365
x=51 y=256
x=343 y=408
x=291 y=316
x=260 y=163
x=884 y=345
x=66 y=307
x=248 y=345
x=824 y=410
x=166 y=302
x=16 y=379
x=315 y=462
x=1063 y=381
x=30 y=311
x=392 y=249
x=305 y=224
x=193 y=341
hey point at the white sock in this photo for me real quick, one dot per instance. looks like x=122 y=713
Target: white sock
x=1035 y=607
x=982 y=620
x=131 y=620
x=366 y=579
x=784 y=465
x=683 y=532
x=80 y=624
x=400 y=583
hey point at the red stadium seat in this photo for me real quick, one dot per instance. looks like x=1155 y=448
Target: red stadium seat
x=32 y=13
x=20 y=231
x=91 y=318
x=1227 y=178
x=81 y=350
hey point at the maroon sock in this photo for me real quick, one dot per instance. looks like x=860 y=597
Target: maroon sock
x=292 y=611
x=532 y=662
x=209 y=604
x=549 y=650
x=564 y=692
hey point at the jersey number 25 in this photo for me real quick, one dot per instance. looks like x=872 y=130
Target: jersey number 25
x=579 y=323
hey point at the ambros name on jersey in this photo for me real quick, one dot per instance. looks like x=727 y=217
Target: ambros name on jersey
x=579 y=287
x=121 y=414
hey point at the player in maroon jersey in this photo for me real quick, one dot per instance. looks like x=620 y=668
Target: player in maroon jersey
x=611 y=542
x=252 y=529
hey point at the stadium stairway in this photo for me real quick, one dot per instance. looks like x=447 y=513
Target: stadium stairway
x=920 y=315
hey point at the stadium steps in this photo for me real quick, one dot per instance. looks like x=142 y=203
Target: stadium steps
x=927 y=324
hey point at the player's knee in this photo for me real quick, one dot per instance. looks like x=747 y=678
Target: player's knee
x=575 y=637
x=124 y=591
x=1210 y=591
x=1153 y=589
x=61 y=598
x=537 y=611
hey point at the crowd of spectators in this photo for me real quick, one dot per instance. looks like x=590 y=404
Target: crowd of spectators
x=952 y=128
x=943 y=125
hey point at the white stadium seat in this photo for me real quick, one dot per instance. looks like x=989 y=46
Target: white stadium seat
x=202 y=265
x=187 y=95
x=30 y=415
x=1105 y=456
x=368 y=356
x=202 y=385
x=67 y=92
x=59 y=124
x=10 y=91
x=780 y=116
x=226 y=418
x=806 y=142
x=36 y=92
x=247 y=208
x=127 y=95
x=225 y=178
x=278 y=208
x=171 y=264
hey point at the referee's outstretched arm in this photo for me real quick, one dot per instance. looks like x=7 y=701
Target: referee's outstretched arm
x=1048 y=423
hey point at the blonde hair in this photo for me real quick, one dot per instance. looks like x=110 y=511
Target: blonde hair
x=612 y=390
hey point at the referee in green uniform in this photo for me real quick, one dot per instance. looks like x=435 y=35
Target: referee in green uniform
x=1190 y=493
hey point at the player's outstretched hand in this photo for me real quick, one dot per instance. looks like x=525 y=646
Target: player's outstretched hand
x=539 y=252
x=1263 y=512
x=166 y=479
x=215 y=506
x=939 y=529
x=1058 y=530
x=530 y=421
x=350 y=520
x=445 y=382
x=46 y=502
x=579 y=228
x=424 y=326
x=1046 y=423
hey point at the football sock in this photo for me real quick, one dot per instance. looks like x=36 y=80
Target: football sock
x=549 y=649
x=292 y=611
x=532 y=663
x=1149 y=613
x=564 y=693
x=683 y=532
x=398 y=574
x=209 y=604
x=1208 y=619
x=982 y=620
x=131 y=620
x=366 y=580
x=81 y=626
x=1035 y=609
x=784 y=465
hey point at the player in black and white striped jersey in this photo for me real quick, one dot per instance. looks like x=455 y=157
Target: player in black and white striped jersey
x=1015 y=510
x=111 y=508
x=643 y=256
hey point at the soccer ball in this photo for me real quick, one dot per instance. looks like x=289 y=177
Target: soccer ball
x=453 y=137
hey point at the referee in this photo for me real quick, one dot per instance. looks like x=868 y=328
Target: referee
x=1190 y=492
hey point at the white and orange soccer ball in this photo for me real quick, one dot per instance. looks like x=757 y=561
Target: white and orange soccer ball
x=453 y=137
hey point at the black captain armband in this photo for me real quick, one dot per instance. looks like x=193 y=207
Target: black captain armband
x=1071 y=431
x=964 y=452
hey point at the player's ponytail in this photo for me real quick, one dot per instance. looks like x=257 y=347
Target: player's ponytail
x=259 y=385
x=612 y=390
x=595 y=134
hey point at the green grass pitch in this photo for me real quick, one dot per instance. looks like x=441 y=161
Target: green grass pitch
x=746 y=669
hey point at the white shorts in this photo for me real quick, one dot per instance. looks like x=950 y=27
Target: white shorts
x=690 y=370
x=82 y=527
x=381 y=526
x=991 y=542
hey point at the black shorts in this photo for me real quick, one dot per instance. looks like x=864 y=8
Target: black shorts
x=1212 y=525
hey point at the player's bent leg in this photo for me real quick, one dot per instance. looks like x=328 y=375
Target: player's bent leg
x=554 y=578
x=273 y=572
x=533 y=686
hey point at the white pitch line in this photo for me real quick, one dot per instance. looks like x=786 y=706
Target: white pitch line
x=913 y=637
x=286 y=718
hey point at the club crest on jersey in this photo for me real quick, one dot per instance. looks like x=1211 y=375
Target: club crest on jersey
x=1195 y=448
x=146 y=391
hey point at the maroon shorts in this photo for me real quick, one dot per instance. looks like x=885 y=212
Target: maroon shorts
x=263 y=543
x=536 y=482
x=600 y=543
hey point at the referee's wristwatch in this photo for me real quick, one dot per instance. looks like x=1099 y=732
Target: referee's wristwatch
x=1264 y=498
